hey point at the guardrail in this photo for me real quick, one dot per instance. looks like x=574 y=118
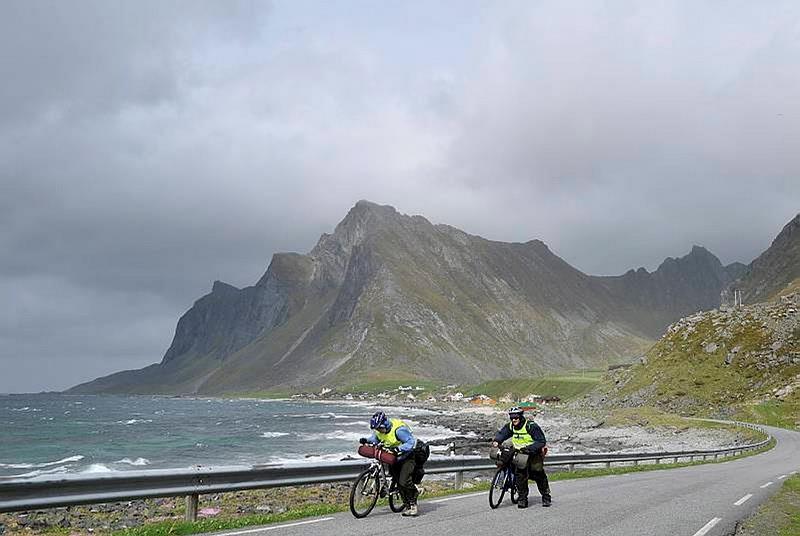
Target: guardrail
x=68 y=490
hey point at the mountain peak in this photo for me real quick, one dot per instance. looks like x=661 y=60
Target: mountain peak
x=363 y=214
x=220 y=286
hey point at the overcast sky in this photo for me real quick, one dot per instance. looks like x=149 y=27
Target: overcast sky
x=148 y=148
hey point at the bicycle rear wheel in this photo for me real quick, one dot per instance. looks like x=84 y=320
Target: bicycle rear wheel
x=364 y=493
x=497 y=489
x=396 y=501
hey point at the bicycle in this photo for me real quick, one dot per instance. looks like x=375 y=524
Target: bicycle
x=373 y=483
x=505 y=479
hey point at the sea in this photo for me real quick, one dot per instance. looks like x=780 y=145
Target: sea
x=53 y=434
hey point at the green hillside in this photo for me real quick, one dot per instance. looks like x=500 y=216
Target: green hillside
x=741 y=361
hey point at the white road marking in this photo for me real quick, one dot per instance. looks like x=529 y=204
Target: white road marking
x=276 y=527
x=743 y=499
x=767 y=484
x=458 y=497
x=782 y=477
x=708 y=526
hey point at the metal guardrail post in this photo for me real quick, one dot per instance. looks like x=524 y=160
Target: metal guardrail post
x=608 y=465
x=191 y=506
x=459 y=479
x=675 y=459
x=572 y=467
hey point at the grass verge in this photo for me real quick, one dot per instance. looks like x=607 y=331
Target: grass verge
x=780 y=516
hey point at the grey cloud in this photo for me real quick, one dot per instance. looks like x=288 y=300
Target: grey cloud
x=147 y=149
x=95 y=56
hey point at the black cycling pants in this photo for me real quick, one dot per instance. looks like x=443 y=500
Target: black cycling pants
x=403 y=472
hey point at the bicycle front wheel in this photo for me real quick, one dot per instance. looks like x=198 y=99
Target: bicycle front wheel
x=497 y=489
x=364 y=493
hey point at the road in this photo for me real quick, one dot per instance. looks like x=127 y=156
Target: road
x=692 y=501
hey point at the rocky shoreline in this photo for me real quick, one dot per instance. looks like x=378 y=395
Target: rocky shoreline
x=475 y=427
x=569 y=431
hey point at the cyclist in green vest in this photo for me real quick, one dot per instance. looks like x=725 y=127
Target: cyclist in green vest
x=412 y=455
x=528 y=441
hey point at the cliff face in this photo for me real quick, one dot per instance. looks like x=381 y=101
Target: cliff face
x=775 y=269
x=393 y=296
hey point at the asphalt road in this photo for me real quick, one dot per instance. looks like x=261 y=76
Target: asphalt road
x=692 y=501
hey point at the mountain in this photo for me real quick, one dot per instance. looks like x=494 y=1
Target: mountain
x=776 y=269
x=391 y=296
x=677 y=288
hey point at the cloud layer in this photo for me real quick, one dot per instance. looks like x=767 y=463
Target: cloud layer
x=147 y=149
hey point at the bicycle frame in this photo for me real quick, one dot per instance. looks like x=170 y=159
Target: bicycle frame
x=379 y=471
x=511 y=479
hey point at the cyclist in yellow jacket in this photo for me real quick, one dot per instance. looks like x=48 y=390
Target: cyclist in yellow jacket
x=528 y=441
x=412 y=454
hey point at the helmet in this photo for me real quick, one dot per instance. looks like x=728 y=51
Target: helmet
x=379 y=420
x=515 y=412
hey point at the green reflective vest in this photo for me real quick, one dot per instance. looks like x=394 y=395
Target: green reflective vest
x=389 y=439
x=520 y=438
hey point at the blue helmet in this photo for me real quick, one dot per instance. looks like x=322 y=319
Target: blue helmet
x=379 y=420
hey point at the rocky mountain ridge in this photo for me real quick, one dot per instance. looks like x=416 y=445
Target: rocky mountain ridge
x=775 y=269
x=388 y=295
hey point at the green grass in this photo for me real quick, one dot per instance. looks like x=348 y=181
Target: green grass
x=176 y=528
x=779 y=516
x=783 y=414
x=564 y=386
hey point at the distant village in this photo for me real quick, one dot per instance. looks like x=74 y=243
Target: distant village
x=418 y=394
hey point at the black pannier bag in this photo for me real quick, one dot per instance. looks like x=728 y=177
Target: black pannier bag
x=502 y=456
x=421 y=454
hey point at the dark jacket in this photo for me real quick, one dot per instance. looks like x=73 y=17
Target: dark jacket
x=534 y=430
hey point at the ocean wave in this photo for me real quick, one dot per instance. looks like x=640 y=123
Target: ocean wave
x=97 y=468
x=70 y=459
x=38 y=472
x=274 y=434
x=135 y=421
x=334 y=435
x=137 y=461
x=310 y=458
